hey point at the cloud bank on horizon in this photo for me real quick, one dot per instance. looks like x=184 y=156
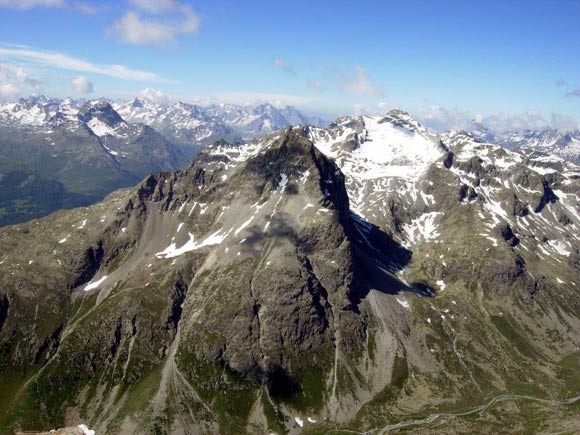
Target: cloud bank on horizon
x=308 y=55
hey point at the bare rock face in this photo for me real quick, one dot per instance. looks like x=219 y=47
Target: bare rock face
x=310 y=279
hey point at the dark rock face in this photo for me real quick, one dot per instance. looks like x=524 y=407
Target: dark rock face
x=4 y=306
x=448 y=162
x=466 y=193
x=547 y=197
x=89 y=265
x=508 y=235
x=519 y=208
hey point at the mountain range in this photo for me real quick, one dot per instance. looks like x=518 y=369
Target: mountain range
x=348 y=278
x=93 y=147
x=189 y=124
x=564 y=144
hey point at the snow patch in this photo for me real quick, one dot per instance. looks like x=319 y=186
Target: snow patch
x=244 y=225
x=100 y=128
x=94 y=284
x=403 y=303
x=423 y=228
x=283 y=183
x=86 y=430
x=173 y=251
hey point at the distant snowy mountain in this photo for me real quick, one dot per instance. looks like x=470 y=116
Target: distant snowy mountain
x=86 y=146
x=93 y=147
x=563 y=144
x=190 y=124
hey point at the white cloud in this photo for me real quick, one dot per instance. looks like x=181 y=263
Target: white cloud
x=82 y=85
x=155 y=95
x=530 y=120
x=573 y=93
x=8 y=91
x=135 y=29
x=380 y=108
x=360 y=109
x=281 y=64
x=29 y=4
x=440 y=119
x=15 y=80
x=70 y=63
x=361 y=84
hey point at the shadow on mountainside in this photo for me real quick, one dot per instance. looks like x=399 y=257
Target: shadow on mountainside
x=378 y=259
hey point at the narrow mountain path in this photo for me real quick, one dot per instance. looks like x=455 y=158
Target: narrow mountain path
x=434 y=417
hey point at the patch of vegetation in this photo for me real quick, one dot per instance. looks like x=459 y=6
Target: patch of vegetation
x=507 y=329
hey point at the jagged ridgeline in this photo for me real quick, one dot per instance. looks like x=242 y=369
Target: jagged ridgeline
x=350 y=277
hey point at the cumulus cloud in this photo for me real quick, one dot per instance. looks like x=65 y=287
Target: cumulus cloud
x=70 y=63
x=155 y=95
x=8 y=91
x=15 y=80
x=82 y=85
x=361 y=84
x=441 y=119
x=281 y=64
x=156 y=22
x=530 y=120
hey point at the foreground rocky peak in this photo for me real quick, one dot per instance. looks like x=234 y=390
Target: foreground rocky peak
x=246 y=265
x=310 y=279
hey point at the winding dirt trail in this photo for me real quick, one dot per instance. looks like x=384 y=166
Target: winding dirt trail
x=434 y=417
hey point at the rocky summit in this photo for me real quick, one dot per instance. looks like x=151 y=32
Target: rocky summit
x=362 y=278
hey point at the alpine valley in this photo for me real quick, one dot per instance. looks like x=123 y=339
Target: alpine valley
x=366 y=277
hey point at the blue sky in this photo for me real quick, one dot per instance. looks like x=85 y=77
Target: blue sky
x=507 y=61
